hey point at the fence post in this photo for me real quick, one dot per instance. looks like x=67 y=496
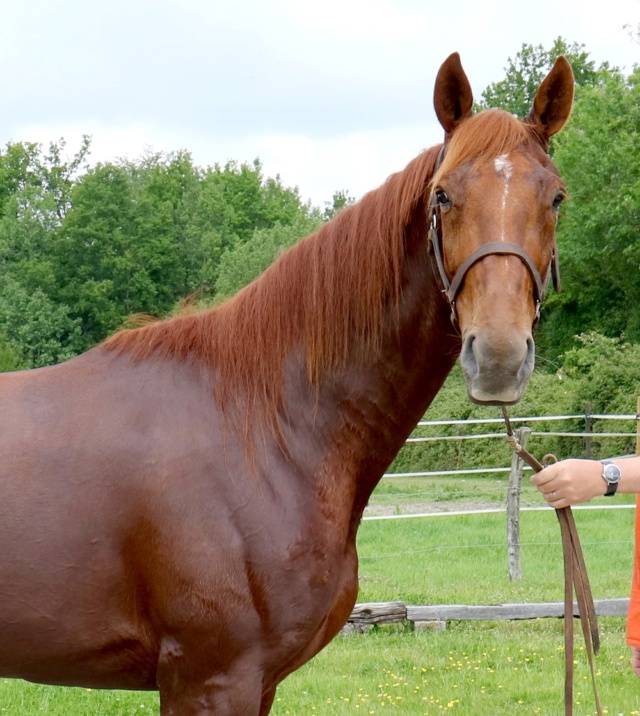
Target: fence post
x=587 y=430
x=513 y=508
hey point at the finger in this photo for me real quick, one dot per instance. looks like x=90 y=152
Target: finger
x=544 y=476
x=558 y=502
x=551 y=496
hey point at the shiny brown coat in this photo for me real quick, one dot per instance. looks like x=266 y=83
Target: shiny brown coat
x=179 y=506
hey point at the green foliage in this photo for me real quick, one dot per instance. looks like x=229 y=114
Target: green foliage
x=524 y=73
x=606 y=374
x=9 y=357
x=35 y=194
x=243 y=262
x=89 y=249
x=599 y=371
x=339 y=200
x=36 y=332
x=598 y=232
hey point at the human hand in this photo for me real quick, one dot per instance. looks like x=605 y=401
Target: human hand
x=570 y=482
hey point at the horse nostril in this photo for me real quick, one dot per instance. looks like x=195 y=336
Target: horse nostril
x=530 y=356
x=468 y=356
x=531 y=348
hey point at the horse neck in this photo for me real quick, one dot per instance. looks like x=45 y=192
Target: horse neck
x=368 y=408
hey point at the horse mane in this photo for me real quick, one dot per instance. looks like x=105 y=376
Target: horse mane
x=325 y=298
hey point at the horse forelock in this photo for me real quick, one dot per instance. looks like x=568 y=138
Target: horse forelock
x=326 y=298
x=483 y=138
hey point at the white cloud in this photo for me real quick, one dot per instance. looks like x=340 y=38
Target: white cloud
x=332 y=95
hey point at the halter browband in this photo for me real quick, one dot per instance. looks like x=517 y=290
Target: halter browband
x=452 y=287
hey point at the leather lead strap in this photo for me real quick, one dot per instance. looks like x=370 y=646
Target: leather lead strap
x=575 y=577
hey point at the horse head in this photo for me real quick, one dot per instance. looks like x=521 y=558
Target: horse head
x=495 y=197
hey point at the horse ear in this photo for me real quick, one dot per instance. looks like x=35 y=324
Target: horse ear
x=452 y=96
x=554 y=99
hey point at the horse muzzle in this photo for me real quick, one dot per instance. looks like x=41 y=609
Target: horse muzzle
x=497 y=368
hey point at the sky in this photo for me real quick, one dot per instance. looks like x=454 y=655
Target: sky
x=331 y=95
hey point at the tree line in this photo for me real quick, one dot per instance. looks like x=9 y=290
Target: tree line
x=83 y=247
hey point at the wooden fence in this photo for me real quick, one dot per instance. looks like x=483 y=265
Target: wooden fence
x=435 y=616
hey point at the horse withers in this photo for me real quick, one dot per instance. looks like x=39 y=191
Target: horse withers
x=179 y=505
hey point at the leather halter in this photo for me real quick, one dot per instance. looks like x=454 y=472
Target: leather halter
x=451 y=287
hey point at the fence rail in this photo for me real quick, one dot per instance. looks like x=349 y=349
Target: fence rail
x=587 y=434
x=365 y=615
x=530 y=419
x=368 y=614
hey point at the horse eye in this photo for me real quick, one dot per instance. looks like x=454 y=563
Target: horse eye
x=559 y=198
x=443 y=198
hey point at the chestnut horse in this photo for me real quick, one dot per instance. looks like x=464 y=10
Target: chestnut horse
x=179 y=505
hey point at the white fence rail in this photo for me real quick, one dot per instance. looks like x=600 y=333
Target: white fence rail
x=523 y=433
x=587 y=434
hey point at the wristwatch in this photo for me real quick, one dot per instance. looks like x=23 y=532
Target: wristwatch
x=611 y=474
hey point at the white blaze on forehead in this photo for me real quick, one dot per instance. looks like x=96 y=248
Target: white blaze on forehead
x=503 y=166
x=504 y=169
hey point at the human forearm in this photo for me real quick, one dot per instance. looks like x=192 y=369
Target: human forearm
x=570 y=482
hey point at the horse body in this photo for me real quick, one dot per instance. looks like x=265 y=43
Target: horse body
x=126 y=547
x=180 y=505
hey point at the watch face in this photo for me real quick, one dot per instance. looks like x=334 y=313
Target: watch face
x=611 y=473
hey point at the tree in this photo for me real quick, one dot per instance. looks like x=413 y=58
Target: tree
x=35 y=195
x=245 y=261
x=35 y=331
x=164 y=192
x=515 y=93
x=141 y=236
x=598 y=232
x=97 y=274
x=339 y=200
x=87 y=247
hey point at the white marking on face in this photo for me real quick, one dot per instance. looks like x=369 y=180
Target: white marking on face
x=504 y=169
x=503 y=166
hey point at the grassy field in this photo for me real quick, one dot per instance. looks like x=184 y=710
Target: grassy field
x=492 y=668
x=462 y=559
x=489 y=668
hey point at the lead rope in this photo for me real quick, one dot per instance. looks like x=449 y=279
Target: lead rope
x=575 y=578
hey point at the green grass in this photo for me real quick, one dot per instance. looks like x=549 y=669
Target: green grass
x=492 y=668
x=462 y=559
x=18 y=698
x=487 y=668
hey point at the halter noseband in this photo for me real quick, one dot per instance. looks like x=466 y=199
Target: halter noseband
x=452 y=287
